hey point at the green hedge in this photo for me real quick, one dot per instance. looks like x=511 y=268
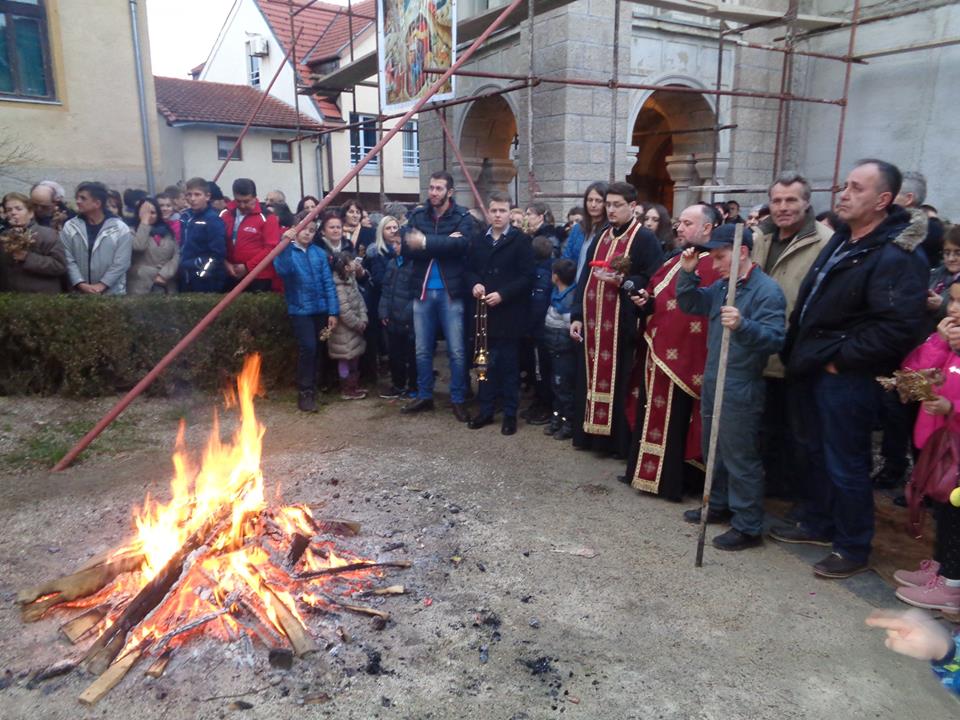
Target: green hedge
x=88 y=346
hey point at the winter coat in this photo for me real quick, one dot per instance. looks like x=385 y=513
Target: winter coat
x=203 y=248
x=397 y=294
x=505 y=268
x=762 y=328
x=43 y=268
x=151 y=258
x=375 y=263
x=258 y=234
x=347 y=341
x=552 y=234
x=107 y=261
x=935 y=353
x=307 y=280
x=867 y=313
x=540 y=292
x=449 y=253
x=791 y=266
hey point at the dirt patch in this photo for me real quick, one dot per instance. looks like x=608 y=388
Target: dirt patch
x=506 y=616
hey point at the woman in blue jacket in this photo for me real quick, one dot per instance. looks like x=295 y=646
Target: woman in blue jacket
x=311 y=303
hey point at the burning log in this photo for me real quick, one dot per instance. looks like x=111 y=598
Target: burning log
x=340 y=528
x=77 y=628
x=106 y=647
x=350 y=567
x=298 y=546
x=80 y=584
x=296 y=632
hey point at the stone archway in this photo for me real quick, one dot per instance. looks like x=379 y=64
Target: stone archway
x=672 y=151
x=486 y=138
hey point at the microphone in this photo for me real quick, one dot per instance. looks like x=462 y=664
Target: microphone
x=630 y=288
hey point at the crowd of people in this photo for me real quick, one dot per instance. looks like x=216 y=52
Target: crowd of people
x=611 y=323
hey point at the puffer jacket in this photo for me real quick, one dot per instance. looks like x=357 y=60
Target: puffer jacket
x=347 y=341
x=151 y=258
x=935 y=353
x=307 y=280
x=107 y=261
x=791 y=267
x=397 y=294
x=870 y=308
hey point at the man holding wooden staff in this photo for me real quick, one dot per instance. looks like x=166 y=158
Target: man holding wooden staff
x=757 y=325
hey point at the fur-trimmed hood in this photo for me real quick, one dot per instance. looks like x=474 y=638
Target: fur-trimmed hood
x=913 y=235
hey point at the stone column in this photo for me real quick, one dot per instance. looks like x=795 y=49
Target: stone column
x=704 y=165
x=682 y=170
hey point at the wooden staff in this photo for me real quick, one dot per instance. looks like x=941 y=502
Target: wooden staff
x=718 y=393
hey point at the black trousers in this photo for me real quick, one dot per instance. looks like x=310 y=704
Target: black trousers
x=947 y=551
x=403 y=358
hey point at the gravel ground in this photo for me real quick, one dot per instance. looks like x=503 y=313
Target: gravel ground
x=541 y=587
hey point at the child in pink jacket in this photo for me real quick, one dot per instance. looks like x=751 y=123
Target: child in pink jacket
x=936 y=584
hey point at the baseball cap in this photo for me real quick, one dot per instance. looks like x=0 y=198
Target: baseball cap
x=723 y=236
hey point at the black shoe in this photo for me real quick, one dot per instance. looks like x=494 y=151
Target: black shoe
x=460 y=412
x=836 y=565
x=564 y=433
x=418 y=405
x=714 y=516
x=797 y=535
x=392 y=393
x=307 y=401
x=885 y=480
x=625 y=479
x=509 y=425
x=900 y=500
x=479 y=422
x=555 y=423
x=539 y=417
x=734 y=540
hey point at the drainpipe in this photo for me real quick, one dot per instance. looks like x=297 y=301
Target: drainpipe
x=319 y=162
x=141 y=91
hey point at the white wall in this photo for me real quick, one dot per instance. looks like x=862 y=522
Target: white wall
x=228 y=61
x=194 y=149
x=902 y=108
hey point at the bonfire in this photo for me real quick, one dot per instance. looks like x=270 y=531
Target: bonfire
x=216 y=560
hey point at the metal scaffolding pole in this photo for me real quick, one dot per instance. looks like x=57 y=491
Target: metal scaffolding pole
x=463 y=165
x=855 y=18
x=296 y=98
x=614 y=93
x=185 y=342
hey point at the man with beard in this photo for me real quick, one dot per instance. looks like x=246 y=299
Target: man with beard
x=435 y=240
x=606 y=326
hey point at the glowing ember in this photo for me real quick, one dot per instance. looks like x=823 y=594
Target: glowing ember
x=214 y=560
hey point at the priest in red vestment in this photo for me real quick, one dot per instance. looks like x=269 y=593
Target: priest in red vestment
x=665 y=453
x=606 y=324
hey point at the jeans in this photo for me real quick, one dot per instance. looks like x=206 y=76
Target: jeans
x=503 y=378
x=306 y=329
x=838 y=413
x=435 y=310
x=738 y=477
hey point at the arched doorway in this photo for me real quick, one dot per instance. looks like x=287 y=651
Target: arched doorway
x=669 y=126
x=486 y=138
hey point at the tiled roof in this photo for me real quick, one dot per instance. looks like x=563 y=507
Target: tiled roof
x=324 y=28
x=209 y=102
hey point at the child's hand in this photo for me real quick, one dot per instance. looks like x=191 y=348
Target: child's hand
x=940 y=406
x=943 y=327
x=934 y=301
x=332 y=322
x=689 y=260
x=576 y=330
x=912 y=633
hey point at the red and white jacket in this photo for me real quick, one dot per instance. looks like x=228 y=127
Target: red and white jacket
x=258 y=234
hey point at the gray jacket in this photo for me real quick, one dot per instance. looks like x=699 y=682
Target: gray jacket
x=106 y=262
x=762 y=329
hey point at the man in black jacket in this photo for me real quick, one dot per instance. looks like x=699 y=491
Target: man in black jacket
x=435 y=239
x=500 y=273
x=857 y=315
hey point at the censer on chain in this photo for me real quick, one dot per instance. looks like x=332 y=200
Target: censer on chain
x=481 y=357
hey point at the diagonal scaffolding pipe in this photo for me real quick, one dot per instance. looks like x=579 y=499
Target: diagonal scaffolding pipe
x=187 y=339
x=253 y=115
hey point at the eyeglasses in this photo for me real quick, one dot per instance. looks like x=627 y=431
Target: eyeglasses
x=951 y=253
